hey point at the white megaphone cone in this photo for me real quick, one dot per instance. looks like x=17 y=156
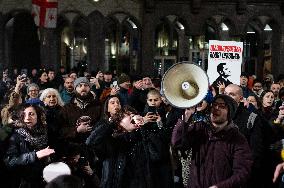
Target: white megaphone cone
x=185 y=85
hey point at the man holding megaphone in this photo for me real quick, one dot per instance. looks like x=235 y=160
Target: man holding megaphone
x=221 y=157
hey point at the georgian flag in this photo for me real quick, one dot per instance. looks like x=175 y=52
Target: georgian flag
x=45 y=13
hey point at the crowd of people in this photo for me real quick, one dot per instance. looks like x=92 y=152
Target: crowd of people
x=117 y=131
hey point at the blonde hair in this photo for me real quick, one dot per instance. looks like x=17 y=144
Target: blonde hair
x=48 y=90
x=154 y=92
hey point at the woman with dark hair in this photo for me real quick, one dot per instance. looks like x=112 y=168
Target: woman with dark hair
x=111 y=106
x=43 y=80
x=253 y=103
x=79 y=165
x=28 y=152
x=134 y=155
x=272 y=131
x=267 y=105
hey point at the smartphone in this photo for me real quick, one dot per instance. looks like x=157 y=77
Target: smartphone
x=23 y=77
x=152 y=109
x=83 y=161
x=85 y=119
x=114 y=83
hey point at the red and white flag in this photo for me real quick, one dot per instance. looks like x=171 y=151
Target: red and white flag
x=45 y=13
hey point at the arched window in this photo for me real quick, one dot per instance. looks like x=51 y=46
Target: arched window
x=122 y=44
x=74 y=44
x=162 y=39
x=22 y=45
x=250 y=49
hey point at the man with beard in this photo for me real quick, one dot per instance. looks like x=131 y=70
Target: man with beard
x=80 y=115
x=275 y=88
x=221 y=157
x=68 y=91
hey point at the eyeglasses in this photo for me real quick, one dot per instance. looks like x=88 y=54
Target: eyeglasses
x=219 y=105
x=33 y=90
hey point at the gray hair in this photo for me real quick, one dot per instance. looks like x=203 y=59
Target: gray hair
x=46 y=91
x=32 y=85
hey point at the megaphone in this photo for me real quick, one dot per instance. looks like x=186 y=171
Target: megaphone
x=185 y=84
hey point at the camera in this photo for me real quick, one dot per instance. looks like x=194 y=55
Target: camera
x=114 y=84
x=23 y=77
x=84 y=119
x=83 y=162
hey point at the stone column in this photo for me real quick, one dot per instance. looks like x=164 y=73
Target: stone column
x=96 y=48
x=49 y=48
x=2 y=49
x=278 y=67
x=147 y=39
x=260 y=58
x=183 y=46
x=241 y=6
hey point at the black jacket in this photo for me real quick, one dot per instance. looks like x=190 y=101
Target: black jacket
x=257 y=135
x=21 y=159
x=138 y=159
x=53 y=127
x=137 y=99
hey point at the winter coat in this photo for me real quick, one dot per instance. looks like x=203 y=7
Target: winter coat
x=220 y=158
x=273 y=134
x=137 y=159
x=21 y=159
x=66 y=96
x=246 y=92
x=35 y=101
x=3 y=90
x=69 y=115
x=53 y=128
x=138 y=99
x=5 y=173
x=258 y=134
x=123 y=96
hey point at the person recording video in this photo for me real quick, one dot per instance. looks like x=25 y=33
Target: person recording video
x=73 y=156
x=154 y=111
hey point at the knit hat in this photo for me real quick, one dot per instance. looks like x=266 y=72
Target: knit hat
x=123 y=78
x=81 y=80
x=231 y=103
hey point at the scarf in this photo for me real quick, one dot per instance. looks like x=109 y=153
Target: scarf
x=36 y=137
x=82 y=102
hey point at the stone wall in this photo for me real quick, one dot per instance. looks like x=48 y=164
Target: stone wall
x=148 y=14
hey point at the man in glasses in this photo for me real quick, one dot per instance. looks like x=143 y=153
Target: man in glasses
x=220 y=153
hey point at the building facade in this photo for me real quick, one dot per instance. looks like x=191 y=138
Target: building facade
x=142 y=36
